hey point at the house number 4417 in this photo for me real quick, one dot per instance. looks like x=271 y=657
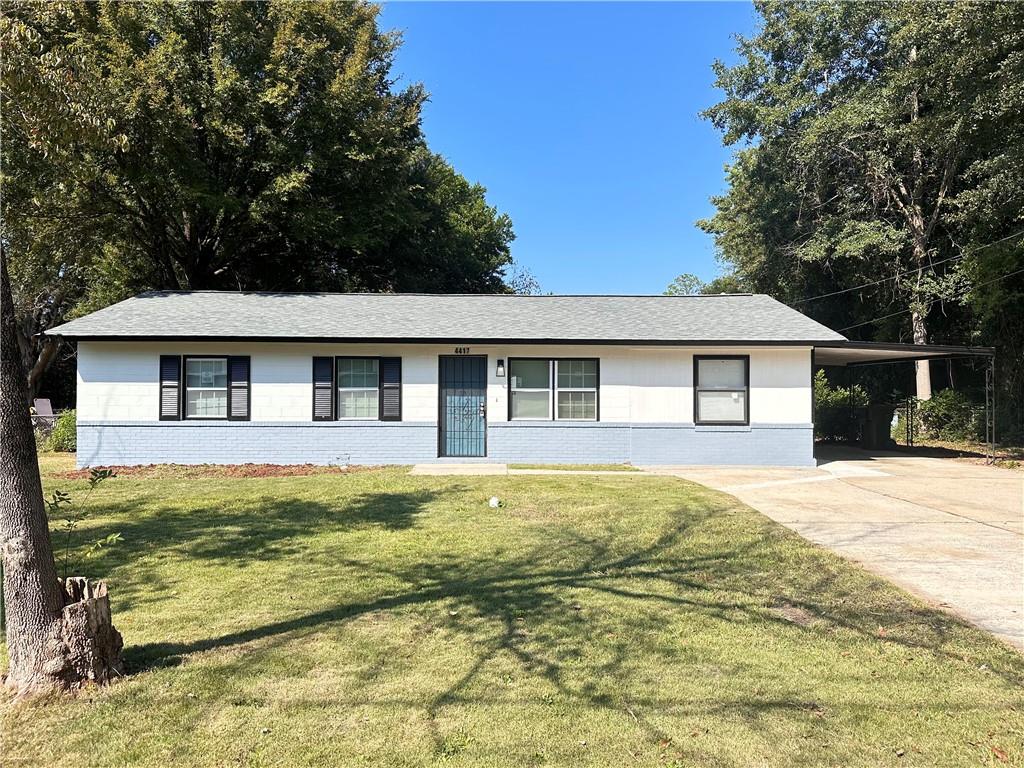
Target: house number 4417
x=462 y=350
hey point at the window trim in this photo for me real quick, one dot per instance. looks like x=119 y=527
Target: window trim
x=338 y=389
x=698 y=389
x=553 y=388
x=185 y=388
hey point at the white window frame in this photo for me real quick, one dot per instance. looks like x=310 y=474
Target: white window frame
x=557 y=388
x=225 y=389
x=553 y=389
x=339 y=389
x=513 y=388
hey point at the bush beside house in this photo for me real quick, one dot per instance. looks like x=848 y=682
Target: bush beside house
x=950 y=415
x=832 y=415
x=63 y=436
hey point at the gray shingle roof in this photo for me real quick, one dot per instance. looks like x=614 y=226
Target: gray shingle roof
x=422 y=317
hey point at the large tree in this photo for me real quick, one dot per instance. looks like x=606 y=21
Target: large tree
x=873 y=133
x=59 y=631
x=227 y=145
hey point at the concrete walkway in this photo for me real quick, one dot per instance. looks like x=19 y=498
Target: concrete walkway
x=949 y=532
x=503 y=469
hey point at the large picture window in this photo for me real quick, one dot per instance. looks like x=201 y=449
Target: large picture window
x=564 y=390
x=721 y=387
x=206 y=388
x=358 y=387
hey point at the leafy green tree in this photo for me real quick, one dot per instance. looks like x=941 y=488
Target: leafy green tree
x=878 y=148
x=685 y=284
x=688 y=284
x=227 y=145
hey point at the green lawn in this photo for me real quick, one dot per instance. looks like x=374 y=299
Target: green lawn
x=374 y=618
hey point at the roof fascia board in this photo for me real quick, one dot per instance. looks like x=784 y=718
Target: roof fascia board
x=884 y=346
x=450 y=340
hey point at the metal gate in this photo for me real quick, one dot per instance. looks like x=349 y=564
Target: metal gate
x=462 y=421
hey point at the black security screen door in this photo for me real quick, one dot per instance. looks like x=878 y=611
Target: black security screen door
x=463 y=403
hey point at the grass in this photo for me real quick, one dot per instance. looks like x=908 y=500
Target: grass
x=579 y=467
x=374 y=618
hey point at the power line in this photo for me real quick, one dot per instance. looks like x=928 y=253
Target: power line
x=932 y=303
x=908 y=272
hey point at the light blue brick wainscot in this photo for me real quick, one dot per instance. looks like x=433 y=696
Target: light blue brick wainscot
x=108 y=443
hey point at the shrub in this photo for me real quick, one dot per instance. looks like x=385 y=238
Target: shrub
x=832 y=417
x=64 y=436
x=950 y=415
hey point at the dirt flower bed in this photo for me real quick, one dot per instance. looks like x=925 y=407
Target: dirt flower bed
x=218 y=470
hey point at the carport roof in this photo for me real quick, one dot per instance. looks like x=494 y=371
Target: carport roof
x=845 y=353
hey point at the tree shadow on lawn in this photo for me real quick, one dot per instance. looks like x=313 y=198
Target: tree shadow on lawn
x=253 y=528
x=500 y=602
x=248 y=530
x=728 y=585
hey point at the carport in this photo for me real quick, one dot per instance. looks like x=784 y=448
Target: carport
x=853 y=355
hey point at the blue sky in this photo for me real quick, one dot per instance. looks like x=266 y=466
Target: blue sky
x=581 y=119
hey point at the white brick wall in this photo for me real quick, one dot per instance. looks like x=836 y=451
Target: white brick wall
x=117 y=380
x=646 y=403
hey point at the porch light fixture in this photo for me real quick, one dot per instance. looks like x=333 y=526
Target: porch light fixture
x=499 y=369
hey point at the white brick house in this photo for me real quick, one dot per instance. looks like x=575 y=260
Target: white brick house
x=217 y=377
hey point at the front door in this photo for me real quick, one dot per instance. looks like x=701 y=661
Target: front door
x=462 y=423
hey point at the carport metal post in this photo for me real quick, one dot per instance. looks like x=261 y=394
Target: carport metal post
x=990 y=408
x=851 y=403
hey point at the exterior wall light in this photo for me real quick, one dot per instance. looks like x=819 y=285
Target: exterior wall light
x=499 y=369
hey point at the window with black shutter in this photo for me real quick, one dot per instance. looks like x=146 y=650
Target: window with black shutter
x=323 y=389
x=391 y=389
x=170 y=387
x=238 y=388
x=357 y=388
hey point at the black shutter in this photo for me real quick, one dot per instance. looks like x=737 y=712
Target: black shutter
x=390 y=389
x=238 y=388
x=323 y=389
x=170 y=387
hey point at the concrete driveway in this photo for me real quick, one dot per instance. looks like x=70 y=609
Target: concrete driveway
x=949 y=532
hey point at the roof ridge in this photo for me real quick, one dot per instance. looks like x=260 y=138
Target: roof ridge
x=452 y=295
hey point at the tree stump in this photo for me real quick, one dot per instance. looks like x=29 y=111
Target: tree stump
x=92 y=646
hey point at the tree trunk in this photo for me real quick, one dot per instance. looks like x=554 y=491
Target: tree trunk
x=919 y=230
x=56 y=634
x=919 y=310
x=47 y=352
x=922 y=368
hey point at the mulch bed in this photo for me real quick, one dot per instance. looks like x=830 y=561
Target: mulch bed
x=218 y=470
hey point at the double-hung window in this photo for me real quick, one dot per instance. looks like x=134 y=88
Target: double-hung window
x=563 y=390
x=576 y=391
x=531 y=389
x=206 y=387
x=358 y=387
x=721 y=389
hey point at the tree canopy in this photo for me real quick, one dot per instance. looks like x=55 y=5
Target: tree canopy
x=225 y=145
x=880 y=145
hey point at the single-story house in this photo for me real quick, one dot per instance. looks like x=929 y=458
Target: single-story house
x=227 y=378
